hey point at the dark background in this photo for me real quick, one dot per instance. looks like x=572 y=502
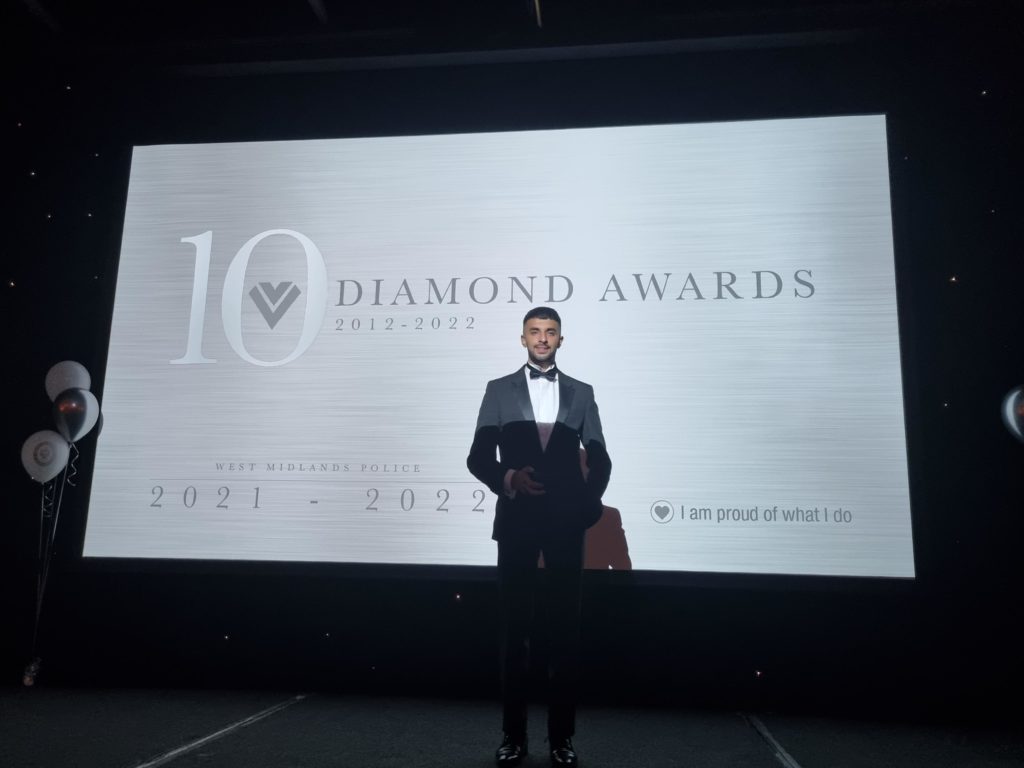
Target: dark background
x=83 y=82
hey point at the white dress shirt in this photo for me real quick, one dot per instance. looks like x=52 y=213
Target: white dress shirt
x=544 y=400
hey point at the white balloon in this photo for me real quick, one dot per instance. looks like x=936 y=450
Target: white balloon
x=44 y=455
x=66 y=375
x=1013 y=412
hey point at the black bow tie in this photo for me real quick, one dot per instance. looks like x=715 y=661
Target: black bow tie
x=549 y=374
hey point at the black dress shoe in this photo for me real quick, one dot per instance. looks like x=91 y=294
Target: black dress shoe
x=562 y=753
x=511 y=752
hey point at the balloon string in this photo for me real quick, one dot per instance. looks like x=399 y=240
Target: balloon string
x=47 y=503
x=56 y=515
x=71 y=464
x=47 y=554
x=45 y=514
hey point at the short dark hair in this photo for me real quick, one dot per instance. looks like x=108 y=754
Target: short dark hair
x=543 y=313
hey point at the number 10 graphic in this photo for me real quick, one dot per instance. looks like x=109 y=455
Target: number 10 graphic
x=234 y=291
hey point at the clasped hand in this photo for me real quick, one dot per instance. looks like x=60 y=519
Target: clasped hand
x=522 y=482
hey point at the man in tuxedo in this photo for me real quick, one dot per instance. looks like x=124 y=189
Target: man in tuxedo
x=535 y=420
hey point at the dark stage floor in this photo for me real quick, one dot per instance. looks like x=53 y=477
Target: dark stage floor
x=47 y=728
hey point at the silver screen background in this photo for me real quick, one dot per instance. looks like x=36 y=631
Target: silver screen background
x=748 y=404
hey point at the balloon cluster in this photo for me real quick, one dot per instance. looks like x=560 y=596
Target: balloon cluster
x=45 y=454
x=75 y=412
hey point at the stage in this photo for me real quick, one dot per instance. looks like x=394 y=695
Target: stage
x=137 y=728
x=262 y=266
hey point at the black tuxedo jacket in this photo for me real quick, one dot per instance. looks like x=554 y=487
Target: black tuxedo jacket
x=507 y=423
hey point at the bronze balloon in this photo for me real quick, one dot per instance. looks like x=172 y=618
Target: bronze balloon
x=75 y=411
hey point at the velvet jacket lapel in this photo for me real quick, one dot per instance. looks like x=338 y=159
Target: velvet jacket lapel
x=522 y=393
x=566 y=391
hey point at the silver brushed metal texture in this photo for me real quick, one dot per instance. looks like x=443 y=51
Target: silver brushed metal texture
x=717 y=403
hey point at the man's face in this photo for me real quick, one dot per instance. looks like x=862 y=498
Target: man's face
x=541 y=338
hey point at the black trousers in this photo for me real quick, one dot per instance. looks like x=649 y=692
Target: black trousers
x=521 y=586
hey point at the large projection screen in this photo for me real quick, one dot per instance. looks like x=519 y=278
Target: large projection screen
x=303 y=330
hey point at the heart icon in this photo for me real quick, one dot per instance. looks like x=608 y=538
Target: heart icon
x=662 y=511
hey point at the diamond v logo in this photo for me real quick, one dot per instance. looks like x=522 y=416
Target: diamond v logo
x=274 y=300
